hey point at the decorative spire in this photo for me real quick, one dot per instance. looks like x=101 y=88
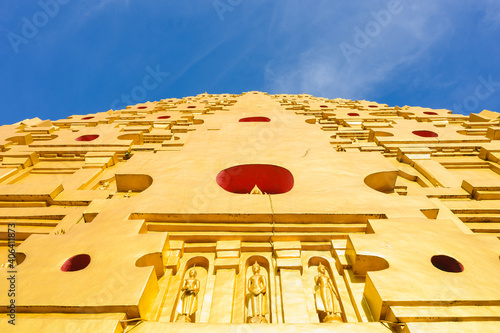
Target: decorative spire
x=256 y=190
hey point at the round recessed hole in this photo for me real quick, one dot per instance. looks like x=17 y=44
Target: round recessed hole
x=76 y=263
x=88 y=137
x=426 y=134
x=353 y=114
x=163 y=117
x=382 y=133
x=142 y=107
x=430 y=113
x=87 y=118
x=255 y=120
x=383 y=181
x=242 y=179
x=20 y=258
x=447 y=264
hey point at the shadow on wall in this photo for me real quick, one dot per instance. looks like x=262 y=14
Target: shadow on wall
x=384 y=181
x=134 y=183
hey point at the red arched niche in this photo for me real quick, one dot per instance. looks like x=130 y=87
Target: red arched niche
x=87 y=118
x=255 y=120
x=353 y=114
x=76 y=263
x=241 y=179
x=426 y=134
x=88 y=137
x=163 y=117
x=430 y=113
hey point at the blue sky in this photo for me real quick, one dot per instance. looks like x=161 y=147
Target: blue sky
x=64 y=57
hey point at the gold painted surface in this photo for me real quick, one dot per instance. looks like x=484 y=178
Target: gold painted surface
x=371 y=201
x=221 y=310
x=264 y=328
x=294 y=302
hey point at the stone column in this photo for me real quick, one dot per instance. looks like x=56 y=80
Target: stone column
x=176 y=252
x=290 y=269
x=226 y=268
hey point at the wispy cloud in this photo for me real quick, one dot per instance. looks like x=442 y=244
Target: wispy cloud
x=492 y=14
x=89 y=10
x=324 y=70
x=103 y=3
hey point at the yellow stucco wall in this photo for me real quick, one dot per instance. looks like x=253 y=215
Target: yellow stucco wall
x=401 y=205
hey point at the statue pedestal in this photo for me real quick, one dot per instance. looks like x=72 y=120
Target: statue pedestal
x=258 y=320
x=183 y=319
x=332 y=319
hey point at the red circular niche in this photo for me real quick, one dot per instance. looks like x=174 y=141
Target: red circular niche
x=142 y=107
x=447 y=264
x=76 y=263
x=430 y=113
x=255 y=120
x=87 y=118
x=241 y=179
x=353 y=114
x=426 y=134
x=88 y=137
x=163 y=117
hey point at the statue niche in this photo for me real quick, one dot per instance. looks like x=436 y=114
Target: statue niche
x=326 y=297
x=188 y=304
x=256 y=299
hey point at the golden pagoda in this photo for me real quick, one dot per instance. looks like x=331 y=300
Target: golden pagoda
x=251 y=213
